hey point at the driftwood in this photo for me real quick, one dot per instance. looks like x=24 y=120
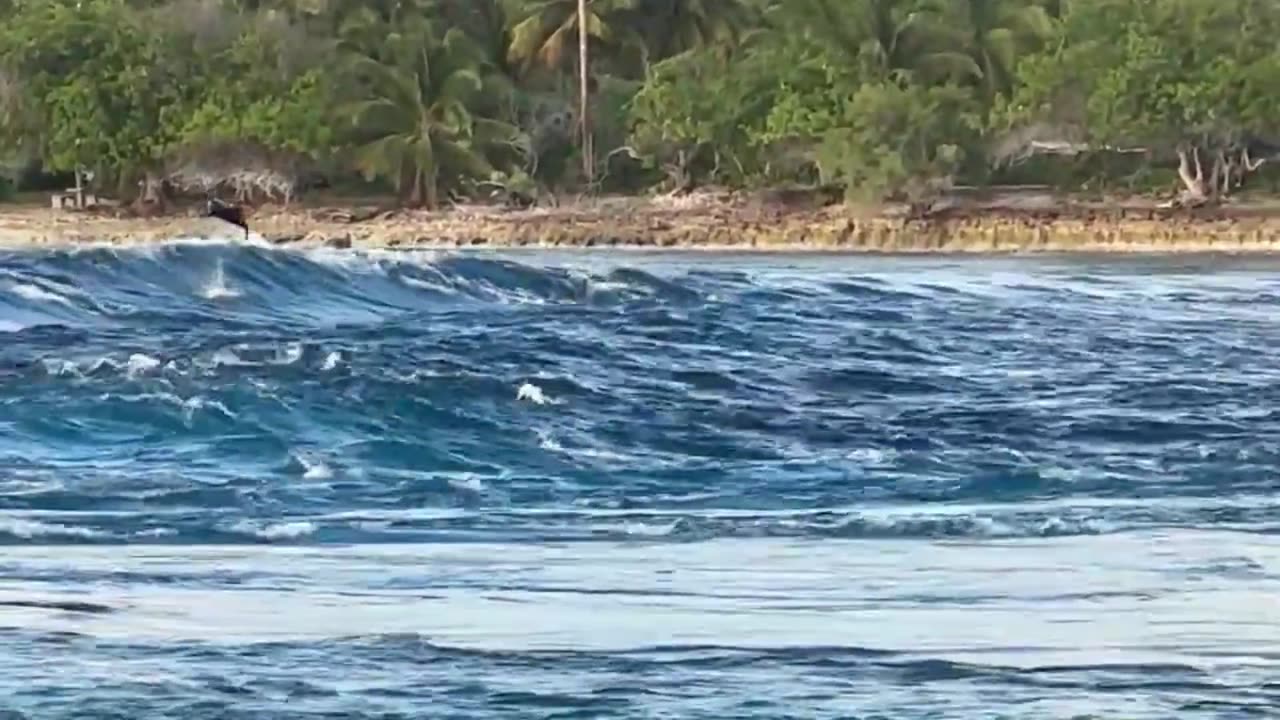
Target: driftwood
x=248 y=172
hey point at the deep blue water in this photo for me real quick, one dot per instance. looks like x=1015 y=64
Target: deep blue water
x=240 y=482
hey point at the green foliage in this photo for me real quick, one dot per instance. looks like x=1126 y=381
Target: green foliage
x=547 y=34
x=288 y=121
x=695 y=117
x=418 y=122
x=97 y=82
x=437 y=98
x=901 y=142
x=992 y=34
x=1194 y=79
x=874 y=39
x=671 y=27
x=250 y=94
x=852 y=98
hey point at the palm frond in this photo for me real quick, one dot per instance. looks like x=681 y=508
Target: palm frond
x=377 y=115
x=389 y=81
x=553 y=50
x=461 y=86
x=383 y=157
x=950 y=65
x=463 y=159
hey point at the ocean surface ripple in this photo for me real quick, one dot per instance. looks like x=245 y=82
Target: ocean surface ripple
x=249 y=482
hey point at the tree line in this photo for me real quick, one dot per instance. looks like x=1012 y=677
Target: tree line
x=440 y=100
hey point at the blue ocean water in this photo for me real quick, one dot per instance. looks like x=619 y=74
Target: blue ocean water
x=248 y=482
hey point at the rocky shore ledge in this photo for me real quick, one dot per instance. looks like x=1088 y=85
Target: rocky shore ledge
x=706 y=222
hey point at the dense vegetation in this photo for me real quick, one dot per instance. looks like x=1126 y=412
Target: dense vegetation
x=439 y=99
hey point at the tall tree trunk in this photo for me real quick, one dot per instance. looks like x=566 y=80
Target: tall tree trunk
x=416 y=199
x=588 y=162
x=432 y=189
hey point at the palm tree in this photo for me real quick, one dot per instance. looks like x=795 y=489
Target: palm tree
x=548 y=29
x=543 y=37
x=584 y=95
x=486 y=21
x=886 y=38
x=672 y=27
x=992 y=33
x=420 y=121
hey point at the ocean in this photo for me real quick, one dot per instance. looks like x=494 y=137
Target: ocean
x=254 y=482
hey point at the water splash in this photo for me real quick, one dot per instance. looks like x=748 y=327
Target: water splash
x=217 y=287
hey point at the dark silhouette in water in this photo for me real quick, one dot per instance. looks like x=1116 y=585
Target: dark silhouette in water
x=233 y=214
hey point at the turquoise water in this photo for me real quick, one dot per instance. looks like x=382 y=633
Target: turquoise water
x=244 y=482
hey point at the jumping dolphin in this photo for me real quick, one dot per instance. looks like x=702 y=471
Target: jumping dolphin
x=233 y=214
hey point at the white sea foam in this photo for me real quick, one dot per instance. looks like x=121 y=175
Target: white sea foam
x=431 y=286
x=547 y=442
x=140 y=364
x=375 y=259
x=870 y=456
x=386 y=515
x=468 y=483
x=189 y=406
x=31 y=529
x=595 y=287
x=275 y=531
x=289 y=355
x=226 y=357
x=312 y=468
x=100 y=363
x=639 y=529
x=370 y=261
x=153 y=247
x=319 y=471
x=331 y=361
x=193 y=404
x=534 y=394
x=137 y=364
x=155 y=533
x=35 y=293
x=60 y=368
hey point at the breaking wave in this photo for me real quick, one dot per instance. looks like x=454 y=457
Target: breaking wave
x=200 y=392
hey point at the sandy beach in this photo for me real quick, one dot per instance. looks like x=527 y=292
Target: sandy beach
x=1040 y=224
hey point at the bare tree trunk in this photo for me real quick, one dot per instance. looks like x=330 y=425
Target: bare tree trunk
x=151 y=197
x=1248 y=162
x=151 y=194
x=1231 y=164
x=1192 y=174
x=1246 y=166
x=588 y=163
x=1225 y=168
x=678 y=173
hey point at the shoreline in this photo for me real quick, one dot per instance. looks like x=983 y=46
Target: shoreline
x=1022 y=224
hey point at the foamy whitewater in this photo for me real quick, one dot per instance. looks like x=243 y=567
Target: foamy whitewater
x=243 y=482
